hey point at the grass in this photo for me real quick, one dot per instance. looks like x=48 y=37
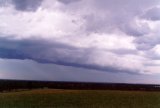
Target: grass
x=50 y=98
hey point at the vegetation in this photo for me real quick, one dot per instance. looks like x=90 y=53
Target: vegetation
x=51 y=98
x=10 y=85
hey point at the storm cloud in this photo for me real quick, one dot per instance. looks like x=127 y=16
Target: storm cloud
x=111 y=35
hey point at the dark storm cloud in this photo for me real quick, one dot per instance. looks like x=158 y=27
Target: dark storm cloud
x=36 y=50
x=26 y=5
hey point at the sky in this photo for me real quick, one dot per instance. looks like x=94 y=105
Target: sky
x=80 y=40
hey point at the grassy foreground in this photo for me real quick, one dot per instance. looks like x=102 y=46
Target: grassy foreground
x=50 y=98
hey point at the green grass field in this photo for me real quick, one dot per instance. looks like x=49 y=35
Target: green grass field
x=50 y=98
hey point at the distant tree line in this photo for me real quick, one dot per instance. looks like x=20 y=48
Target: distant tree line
x=9 y=85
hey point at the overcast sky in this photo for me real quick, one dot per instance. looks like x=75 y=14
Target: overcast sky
x=80 y=40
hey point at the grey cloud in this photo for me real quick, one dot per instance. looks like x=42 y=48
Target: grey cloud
x=68 y=1
x=133 y=29
x=109 y=15
x=26 y=5
x=147 y=42
x=123 y=51
x=144 y=46
x=152 y=14
x=152 y=55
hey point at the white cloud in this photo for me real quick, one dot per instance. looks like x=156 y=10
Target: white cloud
x=42 y=23
x=101 y=41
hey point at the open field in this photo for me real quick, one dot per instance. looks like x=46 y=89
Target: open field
x=51 y=98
